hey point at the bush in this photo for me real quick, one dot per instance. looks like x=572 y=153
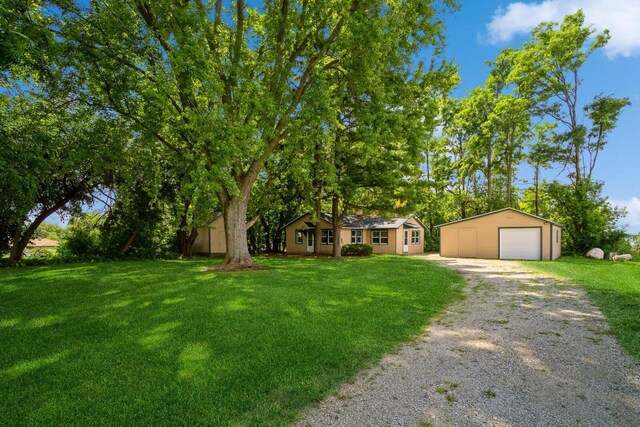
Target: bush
x=357 y=250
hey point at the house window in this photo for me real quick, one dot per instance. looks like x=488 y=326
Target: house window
x=356 y=236
x=299 y=237
x=380 y=237
x=557 y=236
x=326 y=237
x=415 y=237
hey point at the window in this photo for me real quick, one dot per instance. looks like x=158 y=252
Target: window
x=356 y=236
x=299 y=237
x=380 y=237
x=415 y=237
x=326 y=237
x=557 y=236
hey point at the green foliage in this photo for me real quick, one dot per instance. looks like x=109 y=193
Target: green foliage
x=357 y=249
x=164 y=342
x=81 y=238
x=47 y=230
x=589 y=220
x=613 y=286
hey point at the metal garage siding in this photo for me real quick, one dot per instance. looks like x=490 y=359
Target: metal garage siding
x=521 y=243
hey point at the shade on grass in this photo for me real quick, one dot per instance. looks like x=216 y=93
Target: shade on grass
x=613 y=286
x=163 y=342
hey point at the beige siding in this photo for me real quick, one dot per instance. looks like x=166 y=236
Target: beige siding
x=211 y=240
x=419 y=247
x=300 y=249
x=201 y=244
x=556 y=235
x=478 y=237
x=394 y=246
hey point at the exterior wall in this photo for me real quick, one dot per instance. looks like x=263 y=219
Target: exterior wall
x=214 y=234
x=393 y=247
x=417 y=248
x=456 y=239
x=201 y=244
x=301 y=249
x=556 y=236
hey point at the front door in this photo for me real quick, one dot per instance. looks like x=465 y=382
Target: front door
x=310 y=237
x=405 y=246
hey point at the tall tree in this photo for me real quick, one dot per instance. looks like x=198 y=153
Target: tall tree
x=221 y=83
x=548 y=70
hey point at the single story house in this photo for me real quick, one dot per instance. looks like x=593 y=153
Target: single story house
x=211 y=240
x=386 y=235
x=42 y=244
x=503 y=234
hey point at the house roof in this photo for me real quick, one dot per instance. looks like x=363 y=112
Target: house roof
x=42 y=243
x=502 y=210
x=364 y=222
x=216 y=216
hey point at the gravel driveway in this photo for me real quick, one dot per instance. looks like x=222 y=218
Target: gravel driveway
x=521 y=349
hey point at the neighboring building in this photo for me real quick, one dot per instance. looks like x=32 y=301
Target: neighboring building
x=503 y=234
x=386 y=235
x=211 y=240
x=42 y=244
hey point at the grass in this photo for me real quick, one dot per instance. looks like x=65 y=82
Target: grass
x=613 y=286
x=163 y=342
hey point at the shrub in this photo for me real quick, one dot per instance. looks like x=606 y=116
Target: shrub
x=357 y=250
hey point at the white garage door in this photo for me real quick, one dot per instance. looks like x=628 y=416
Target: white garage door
x=520 y=243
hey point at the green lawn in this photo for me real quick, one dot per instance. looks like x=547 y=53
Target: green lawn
x=163 y=342
x=612 y=286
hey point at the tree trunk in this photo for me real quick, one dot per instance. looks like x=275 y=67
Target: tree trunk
x=337 y=227
x=509 y=172
x=185 y=242
x=19 y=245
x=234 y=211
x=277 y=237
x=127 y=244
x=489 y=180
x=536 y=184
x=267 y=236
x=317 y=234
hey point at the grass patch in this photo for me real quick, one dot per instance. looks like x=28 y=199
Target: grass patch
x=163 y=342
x=613 y=286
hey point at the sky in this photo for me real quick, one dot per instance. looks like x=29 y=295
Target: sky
x=482 y=28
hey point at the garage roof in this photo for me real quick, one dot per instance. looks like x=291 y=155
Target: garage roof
x=502 y=210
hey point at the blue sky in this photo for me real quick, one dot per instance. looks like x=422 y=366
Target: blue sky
x=480 y=29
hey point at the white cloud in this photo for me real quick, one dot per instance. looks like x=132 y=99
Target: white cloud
x=620 y=17
x=633 y=212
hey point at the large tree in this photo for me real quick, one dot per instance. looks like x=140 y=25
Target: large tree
x=221 y=83
x=548 y=71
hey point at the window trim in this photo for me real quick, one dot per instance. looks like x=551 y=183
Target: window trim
x=326 y=236
x=415 y=237
x=379 y=237
x=356 y=242
x=557 y=236
x=300 y=234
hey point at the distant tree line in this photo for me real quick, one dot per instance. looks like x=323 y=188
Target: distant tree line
x=162 y=113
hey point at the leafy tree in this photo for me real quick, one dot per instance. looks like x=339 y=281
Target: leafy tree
x=81 y=239
x=548 y=71
x=54 y=152
x=48 y=230
x=221 y=84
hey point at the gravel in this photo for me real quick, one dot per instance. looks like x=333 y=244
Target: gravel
x=520 y=349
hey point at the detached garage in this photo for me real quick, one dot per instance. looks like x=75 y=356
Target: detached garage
x=503 y=234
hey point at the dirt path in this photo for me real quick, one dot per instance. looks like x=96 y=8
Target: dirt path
x=520 y=349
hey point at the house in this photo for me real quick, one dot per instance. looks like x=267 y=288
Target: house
x=386 y=235
x=42 y=244
x=211 y=240
x=503 y=234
